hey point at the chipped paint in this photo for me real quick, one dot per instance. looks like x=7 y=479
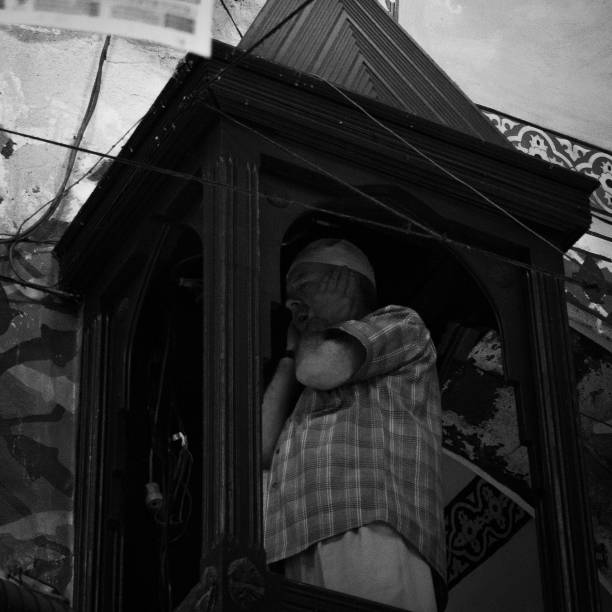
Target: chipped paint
x=8 y=147
x=50 y=101
x=487 y=354
x=480 y=418
x=495 y=438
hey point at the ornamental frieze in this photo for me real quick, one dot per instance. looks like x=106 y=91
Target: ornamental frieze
x=562 y=151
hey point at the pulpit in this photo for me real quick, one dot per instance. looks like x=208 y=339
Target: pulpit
x=337 y=125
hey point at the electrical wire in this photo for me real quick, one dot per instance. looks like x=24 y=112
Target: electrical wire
x=600 y=421
x=406 y=218
x=57 y=292
x=86 y=174
x=91 y=106
x=122 y=160
x=231 y=64
x=437 y=165
x=166 y=171
x=430 y=234
x=273 y=30
x=229 y=14
x=603 y=462
x=47 y=288
x=211 y=182
x=244 y=53
x=593 y=313
x=205 y=181
x=91 y=170
x=237 y=59
x=52 y=206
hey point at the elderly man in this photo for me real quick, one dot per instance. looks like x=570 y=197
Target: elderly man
x=354 y=500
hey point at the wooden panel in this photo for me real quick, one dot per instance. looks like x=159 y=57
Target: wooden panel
x=89 y=470
x=282 y=103
x=232 y=470
x=288 y=596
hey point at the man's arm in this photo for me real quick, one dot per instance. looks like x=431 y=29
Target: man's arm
x=394 y=339
x=327 y=359
x=278 y=401
x=381 y=343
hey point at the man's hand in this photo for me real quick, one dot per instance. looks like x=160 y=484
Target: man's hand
x=323 y=362
x=279 y=398
x=293 y=338
x=336 y=299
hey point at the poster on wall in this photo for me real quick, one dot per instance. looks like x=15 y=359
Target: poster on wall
x=183 y=24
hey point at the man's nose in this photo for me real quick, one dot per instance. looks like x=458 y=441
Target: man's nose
x=299 y=311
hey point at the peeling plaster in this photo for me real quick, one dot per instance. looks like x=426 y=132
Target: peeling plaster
x=8 y=147
x=243 y=12
x=487 y=354
x=498 y=435
x=480 y=419
x=50 y=101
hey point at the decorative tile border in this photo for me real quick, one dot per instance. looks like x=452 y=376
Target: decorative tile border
x=479 y=521
x=560 y=150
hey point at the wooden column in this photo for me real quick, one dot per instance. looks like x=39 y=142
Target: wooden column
x=232 y=555
x=563 y=517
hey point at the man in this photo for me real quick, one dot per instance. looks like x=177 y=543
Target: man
x=354 y=500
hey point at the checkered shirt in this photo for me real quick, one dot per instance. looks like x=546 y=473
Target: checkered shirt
x=369 y=450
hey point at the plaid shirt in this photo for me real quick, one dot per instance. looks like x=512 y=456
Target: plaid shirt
x=367 y=451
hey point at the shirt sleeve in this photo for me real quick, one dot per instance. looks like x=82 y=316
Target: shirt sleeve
x=393 y=337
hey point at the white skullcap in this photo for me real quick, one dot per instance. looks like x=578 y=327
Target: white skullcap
x=335 y=252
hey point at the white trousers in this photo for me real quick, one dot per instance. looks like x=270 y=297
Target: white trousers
x=373 y=562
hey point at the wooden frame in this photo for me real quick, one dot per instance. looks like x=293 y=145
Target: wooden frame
x=207 y=132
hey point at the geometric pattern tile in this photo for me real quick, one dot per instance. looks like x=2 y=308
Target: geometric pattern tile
x=479 y=521
x=560 y=150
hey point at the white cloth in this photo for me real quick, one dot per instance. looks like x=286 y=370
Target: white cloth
x=373 y=562
x=336 y=253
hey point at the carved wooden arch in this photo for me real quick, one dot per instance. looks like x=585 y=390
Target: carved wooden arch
x=529 y=308
x=501 y=284
x=111 y=318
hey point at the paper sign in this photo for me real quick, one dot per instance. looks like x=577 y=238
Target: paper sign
x=183 y=24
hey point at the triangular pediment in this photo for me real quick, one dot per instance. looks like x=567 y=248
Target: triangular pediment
x=355 y=45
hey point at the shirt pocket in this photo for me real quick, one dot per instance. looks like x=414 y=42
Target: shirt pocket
x=334 y=401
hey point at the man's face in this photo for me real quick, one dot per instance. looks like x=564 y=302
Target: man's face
x=302 y=289
x=322 y=291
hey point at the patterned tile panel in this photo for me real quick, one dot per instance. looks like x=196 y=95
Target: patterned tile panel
x=479 y=521
x=558 y=149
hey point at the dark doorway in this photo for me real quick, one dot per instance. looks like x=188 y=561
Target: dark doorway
x=163 y=524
